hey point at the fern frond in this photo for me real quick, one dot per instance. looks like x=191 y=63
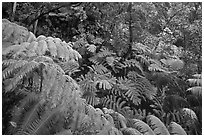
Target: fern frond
x=132 y=63
x=140 y=48
x=91 y=48
x=130 y=131
x=42 y=47
x=20 y=75
x=97 y=60
x=43 y=124
x=40 y=37
x=105 y=52
x=176 y=129
x=14 y=66
x=11 y=49
x=156 y=125
x=104 y=84
x=197 y=90
x=156 y=68
x=197 y=82
x=60 y=51
x=52 y=47
x=142 y=59
x=189 y=113
x=142 y=127
x=70 y=67
x=198 y=76
x=21 y=115
x=99 y=69
x=112 y=102
x=91 y=98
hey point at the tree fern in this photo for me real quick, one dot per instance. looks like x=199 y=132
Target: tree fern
x=56 y=48
x=15 y=34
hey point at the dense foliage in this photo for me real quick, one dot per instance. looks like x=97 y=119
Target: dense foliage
x=102 y=68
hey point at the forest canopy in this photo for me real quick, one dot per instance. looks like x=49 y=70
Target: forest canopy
x=102 y=68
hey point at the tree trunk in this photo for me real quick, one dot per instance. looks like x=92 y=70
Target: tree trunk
x=129 y=51
x=13 y=11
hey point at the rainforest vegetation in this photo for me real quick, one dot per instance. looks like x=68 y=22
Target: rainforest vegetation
x=101 y=68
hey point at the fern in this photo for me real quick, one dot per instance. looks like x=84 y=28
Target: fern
x=176 y=129
x=70 y=67
x=15 y=34
x=54 y=46
x=156 y=125
x=135 y=65
x=142 y=127
x=91 y=98
x=112 y=102
x=130 y=131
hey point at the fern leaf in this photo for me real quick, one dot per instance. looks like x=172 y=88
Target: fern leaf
x=42 y=47
x=66 y=50
x=41 y=37
x=104 y=84
x=156 y=125
x=135 y=64
x=43 y=124
x=156 y=68
x=48 y=82
x=52 y=47
x=198 y=76
x=197 y=82
x=189 y=113
x=11 y=49
x=112 y=102
x=143 y=60
x=197 y=90
x=31 y=49
x=8 y=31
x=24 y=45
x=176 y=129
x=105 y=52
x=142 y=127
x=8 y=62
x=31 y=37
x=76 y=54
x=14 y=66
x=91 y=98
x=70 y=67
x=60 y=50
x=25 y=70
x=130 y=131
x=91 y=48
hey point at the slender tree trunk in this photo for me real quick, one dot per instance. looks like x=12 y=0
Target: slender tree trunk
x=13 y=11
x=129 y=51
x=36 y=24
